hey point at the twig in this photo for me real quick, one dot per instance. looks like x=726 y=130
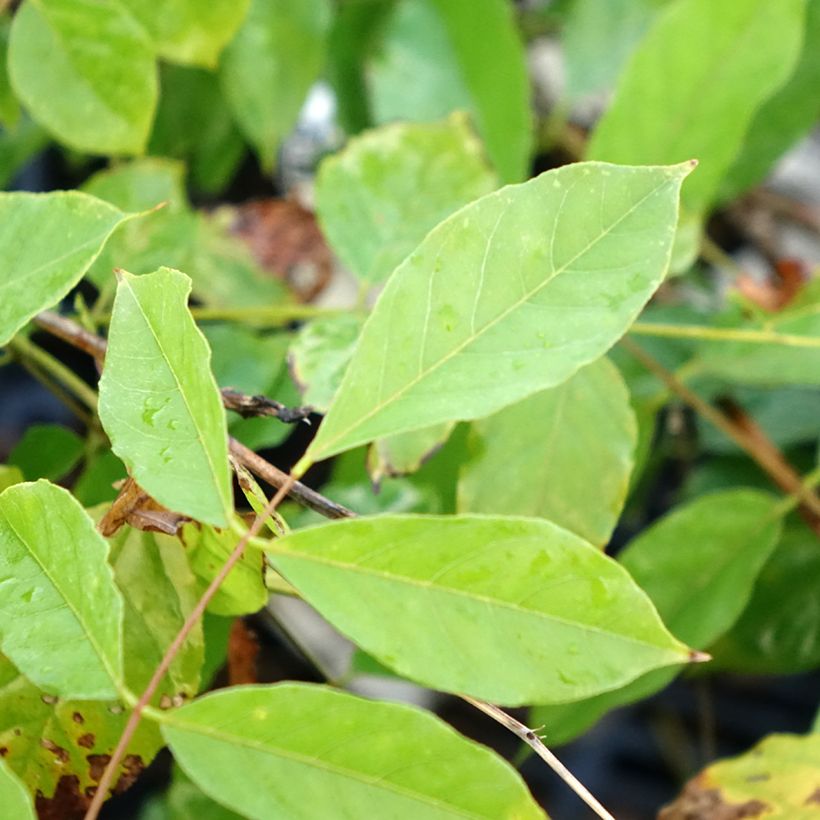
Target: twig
x=168 y=658
x=755 y=443
x=72 y=332
x=276 y=478
x=720 y=334
x=536 y=744
x=251 y=406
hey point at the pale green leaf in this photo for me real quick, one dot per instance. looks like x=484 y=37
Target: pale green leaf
x=9 y=476
x=564 y=454
x=512 y=610
x=269 y=66
x=62 y=612
x=47 y=242
x=510 y=295
x=86 y=72
x=47 y=451
x=320 y=354
x=48 y=741
x=404 y=453
x=699 y=565
x=164 y=237
x=14 y=798
x=189 y=31
x=159 y=403
x=694 y=84
x=378 y=197
x=302 y=751
x=784 y=118
x=776 y=779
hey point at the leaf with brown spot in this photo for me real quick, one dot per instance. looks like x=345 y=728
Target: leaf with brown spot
x=778 y=778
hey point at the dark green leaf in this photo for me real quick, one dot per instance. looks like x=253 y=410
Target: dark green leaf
x=47 y=451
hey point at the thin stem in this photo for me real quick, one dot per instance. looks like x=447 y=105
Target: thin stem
x=26 y=349
x=719 y=334
x=168 y=658
x=753 y=442
x=537 y=745
x=715 y=255
x=263 y=314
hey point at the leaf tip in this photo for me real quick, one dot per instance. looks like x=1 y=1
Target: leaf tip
x=698 y=657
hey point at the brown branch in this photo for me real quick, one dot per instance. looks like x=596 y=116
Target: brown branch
x=276 y=478
x=744 y=432
x=69 y=331
x=252 y=406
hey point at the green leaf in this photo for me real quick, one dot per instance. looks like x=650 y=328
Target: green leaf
x=95 y=485
x=243 y=591
x=777 y=778
x=184 y=800
x=361 y=759
x=159 y=591
x=564 y=454
x=512 y=610
x=159 y=403
x=50 y=741
x=9 y=107
x=9 y=476
x=189 y=31
x=14 y=798
x=718 y=544
x=784 y=118
x=455 y=336
x=194 y=123
x=164 y=237
x=320 y=354
x=86 y=72
x=18 y=146
x=62 y=613
x=47 y=242
x=269 y=66
x=779 y=631
x=47 y=451
x=406 y=452
x=597 y=40
x=694 y=84
x=378 y=197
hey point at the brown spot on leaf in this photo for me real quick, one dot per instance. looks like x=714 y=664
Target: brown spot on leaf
x=78 y=718
x=86 y=741
x=4 y=750
x=58 y=752
x=814 y=797
x=50 y=699
x=96 y=766
x=67 y=803
x=699 y=803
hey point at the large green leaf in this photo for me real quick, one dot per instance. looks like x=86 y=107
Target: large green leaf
x=779 y=631
x=508 y=296
x=47 y=451
x=718 y=545
x=62 y=612
x=378 y=197
x=159 y=402
x=86 y=72
x=694 y=84
x=49 y=741
x=269 y=66
x=47 y=242
x=302 y=751
x=564 y=454
x=513 y=610
x=14 y=798
x=776 y=779
x=190 y=31
x=784 y=118
x=164 y=237
x=9 y=107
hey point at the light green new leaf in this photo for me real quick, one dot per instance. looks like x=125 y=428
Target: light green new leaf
x=378 y=197
x=694 y=84
x=61 y=611
x=159 y=403
x=512 y=610
x=189 y=31
x=718 y=544
x=14 y=798
x=302 y=752
x=47 y=242
x=508 y=296
x=269 y=66
x=86 y=72
x=776 y=779
x=48 y=740
x=564 y=454
x=404 y=453
x=784 y=118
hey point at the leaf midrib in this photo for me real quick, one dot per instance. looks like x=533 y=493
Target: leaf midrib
x=328 y=446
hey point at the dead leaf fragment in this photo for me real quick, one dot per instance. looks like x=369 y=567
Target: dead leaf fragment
x=135 y=507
